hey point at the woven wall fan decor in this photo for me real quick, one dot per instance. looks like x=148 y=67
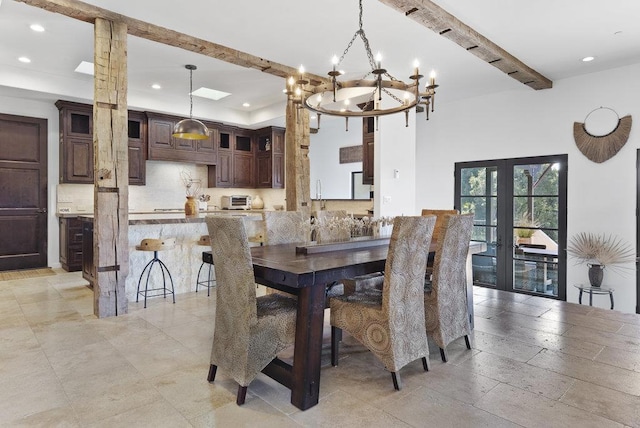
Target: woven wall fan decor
x=600 y=148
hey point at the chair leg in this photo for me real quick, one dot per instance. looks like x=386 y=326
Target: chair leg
x=397 y=382
x=425 y=364
x=336 y=335
x=242 y=394
x=212 y=373
x=173 y=292
x=198 y=277
x=443 y=355
x=466 y=340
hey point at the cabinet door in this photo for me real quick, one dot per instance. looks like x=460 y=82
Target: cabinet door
x=278 y=171
x=243 y=170
x=137 y=130
x=223 y=169
x=160 y=135
x=78 y=122
x=263 y=170
x=368 y=128
x=77 y=156
x=136 y=164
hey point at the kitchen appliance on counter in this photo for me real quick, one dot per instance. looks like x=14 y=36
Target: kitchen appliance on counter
x=236 y=202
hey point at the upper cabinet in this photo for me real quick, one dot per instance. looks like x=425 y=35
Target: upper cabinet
x=163 y=146
x=236 y=159
x=270 y=158
x=76 y=144
x=368 y=128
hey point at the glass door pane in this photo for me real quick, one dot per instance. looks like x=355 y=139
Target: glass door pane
x=479 y=195
x=536 y=208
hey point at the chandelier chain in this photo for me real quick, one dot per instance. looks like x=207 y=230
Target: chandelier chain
x=190 y=93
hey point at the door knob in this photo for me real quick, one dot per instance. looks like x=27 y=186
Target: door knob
x=42 y=210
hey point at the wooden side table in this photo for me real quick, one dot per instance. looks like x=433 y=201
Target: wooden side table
x=593 y=290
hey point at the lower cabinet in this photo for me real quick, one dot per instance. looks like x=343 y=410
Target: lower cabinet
x=71 y=244
x=87 y=251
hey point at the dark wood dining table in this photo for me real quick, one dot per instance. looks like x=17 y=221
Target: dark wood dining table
x=306 y=276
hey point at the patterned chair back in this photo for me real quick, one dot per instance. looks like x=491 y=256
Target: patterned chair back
x=448 y=297
x=440 y=220
x=284 y=227
x=405 y=266
x=236 y=309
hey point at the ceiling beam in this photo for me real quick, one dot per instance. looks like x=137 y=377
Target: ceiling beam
x=89 y=13
x=432 y=16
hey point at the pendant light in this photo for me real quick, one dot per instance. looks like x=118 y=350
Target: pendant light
x=190 y=129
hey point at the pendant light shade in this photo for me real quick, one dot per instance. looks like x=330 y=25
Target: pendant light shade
x=190 y=129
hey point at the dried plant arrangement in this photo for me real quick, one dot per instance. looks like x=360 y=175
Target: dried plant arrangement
x=601 y=249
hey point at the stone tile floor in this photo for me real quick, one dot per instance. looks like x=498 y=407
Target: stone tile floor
x=535 y=363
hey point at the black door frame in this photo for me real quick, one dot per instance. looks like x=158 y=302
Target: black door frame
x=504 y=215
x=637 y=229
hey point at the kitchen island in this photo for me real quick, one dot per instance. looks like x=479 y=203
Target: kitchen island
x=183 y=261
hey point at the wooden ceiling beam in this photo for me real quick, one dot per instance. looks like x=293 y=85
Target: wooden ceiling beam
x=432 y=16
x=89 y=13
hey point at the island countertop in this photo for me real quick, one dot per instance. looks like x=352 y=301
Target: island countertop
x=171 y=218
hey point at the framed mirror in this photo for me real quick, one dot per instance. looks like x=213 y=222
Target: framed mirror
x=359 y=190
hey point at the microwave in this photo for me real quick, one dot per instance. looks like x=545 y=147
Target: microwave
x=236 y=202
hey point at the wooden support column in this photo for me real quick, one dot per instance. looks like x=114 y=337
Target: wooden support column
x=297 y=159
x=111 y=181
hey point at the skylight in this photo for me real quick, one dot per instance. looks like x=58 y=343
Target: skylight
x=211 y=94
x=85 y=68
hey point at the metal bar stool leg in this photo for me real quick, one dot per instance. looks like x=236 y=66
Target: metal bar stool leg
x=173 y=293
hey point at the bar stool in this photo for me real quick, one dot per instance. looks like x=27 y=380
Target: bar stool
x=155 y=245
x=207 y=257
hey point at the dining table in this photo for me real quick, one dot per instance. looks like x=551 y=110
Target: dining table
x=305 y=271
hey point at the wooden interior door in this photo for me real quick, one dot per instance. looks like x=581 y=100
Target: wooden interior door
x=23 y=192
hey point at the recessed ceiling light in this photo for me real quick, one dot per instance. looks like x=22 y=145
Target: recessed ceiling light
x=587 y=59
x=85 y=68
x=24 y=59
x=37 y=28
x=156 y=86
x=246 y=105
x=211 y=94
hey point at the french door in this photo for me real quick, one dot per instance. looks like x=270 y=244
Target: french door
x=520 y=212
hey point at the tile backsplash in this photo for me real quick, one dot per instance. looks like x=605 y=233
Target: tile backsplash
x=164 y=189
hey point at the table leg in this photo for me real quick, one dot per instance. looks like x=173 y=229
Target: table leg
x=590 y=298
x=580 y=297
x=305 y=386
x=611 y=296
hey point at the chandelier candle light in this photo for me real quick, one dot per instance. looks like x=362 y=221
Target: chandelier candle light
x=379 y=95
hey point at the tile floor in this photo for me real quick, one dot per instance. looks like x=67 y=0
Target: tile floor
x=535 y=363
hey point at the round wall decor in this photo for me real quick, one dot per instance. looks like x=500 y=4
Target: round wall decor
x=600 y=148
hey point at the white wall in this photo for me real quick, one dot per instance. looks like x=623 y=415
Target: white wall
x=395 y=166
x=324 y=156
x=601 y=197
x=45 y=110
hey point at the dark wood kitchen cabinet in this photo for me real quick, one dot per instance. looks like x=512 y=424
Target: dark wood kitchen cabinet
x=71 y=244
x=87 y=250
x=243 y=158
x=163 y=146
x=270 y=158
x=236 y=159
x=368 y=129
x=76 y=144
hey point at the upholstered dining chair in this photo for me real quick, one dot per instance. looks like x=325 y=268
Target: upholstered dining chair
x=390 y=322
x=440 y=220
x=284 y=227
x=446 y=312
x=249 y=331
x=437 y=232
